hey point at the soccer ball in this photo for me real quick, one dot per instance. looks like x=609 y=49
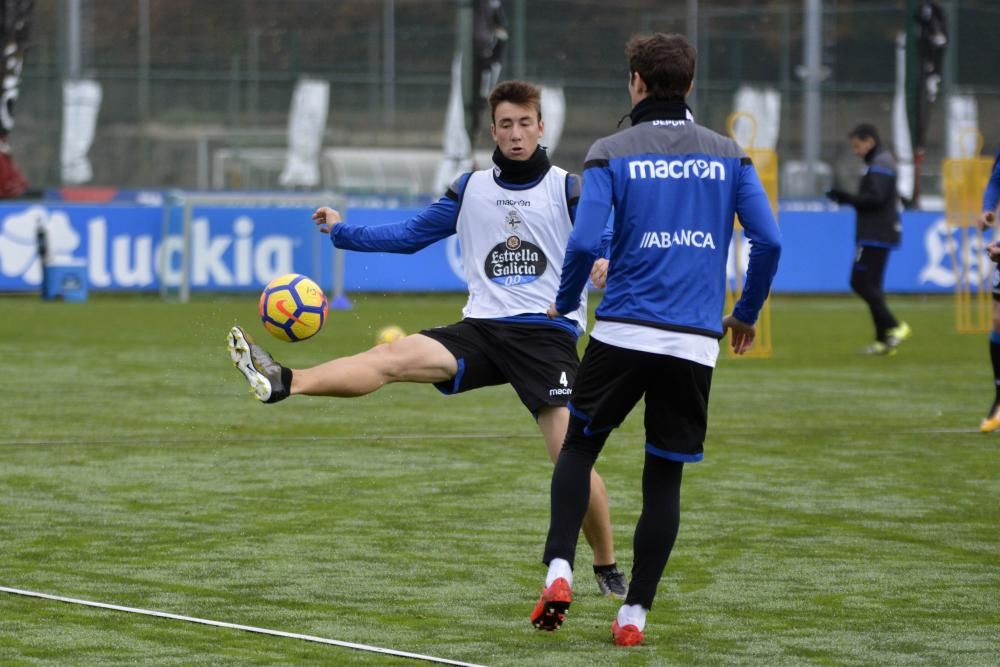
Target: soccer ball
x=293 y=307
x=389 y=334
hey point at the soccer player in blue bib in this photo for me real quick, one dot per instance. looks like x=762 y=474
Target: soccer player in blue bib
x=512 y=220
x=675 y=188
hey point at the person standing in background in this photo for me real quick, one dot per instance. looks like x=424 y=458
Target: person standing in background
x=878 y=230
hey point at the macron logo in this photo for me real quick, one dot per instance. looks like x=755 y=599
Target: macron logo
x=681 y=237
x=704 y=169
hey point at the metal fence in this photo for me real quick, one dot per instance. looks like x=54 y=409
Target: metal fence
x=185 y=79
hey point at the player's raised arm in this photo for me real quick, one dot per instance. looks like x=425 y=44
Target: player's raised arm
x=436 y=222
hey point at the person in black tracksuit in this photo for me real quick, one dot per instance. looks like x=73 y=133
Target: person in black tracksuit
x=878 y=231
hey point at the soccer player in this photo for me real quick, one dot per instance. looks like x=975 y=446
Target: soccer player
x=513 y=221
x=674 y=187
x=991 y=203
x=878 y=230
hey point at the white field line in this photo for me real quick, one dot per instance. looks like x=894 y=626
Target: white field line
x=301 y=439
x=236 y=626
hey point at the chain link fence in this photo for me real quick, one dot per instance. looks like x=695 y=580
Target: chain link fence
x=184 y=80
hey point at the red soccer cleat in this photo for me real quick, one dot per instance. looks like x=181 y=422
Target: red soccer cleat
x=550 y=612
x=630 y=635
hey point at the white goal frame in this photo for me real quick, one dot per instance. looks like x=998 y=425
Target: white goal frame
x=188 y=201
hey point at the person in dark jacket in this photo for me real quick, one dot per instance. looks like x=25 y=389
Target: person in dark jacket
x=878 y=231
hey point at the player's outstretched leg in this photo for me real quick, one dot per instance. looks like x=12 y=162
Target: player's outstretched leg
x=269 y=381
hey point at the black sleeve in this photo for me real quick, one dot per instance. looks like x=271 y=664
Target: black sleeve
x=875 y=191
x=573 y=188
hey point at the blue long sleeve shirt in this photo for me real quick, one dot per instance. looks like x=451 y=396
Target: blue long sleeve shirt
x=674 y=188
x=991 y=196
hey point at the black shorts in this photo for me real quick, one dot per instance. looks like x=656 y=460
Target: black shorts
x=613 y=379
x=538 y=360
x=996 y=282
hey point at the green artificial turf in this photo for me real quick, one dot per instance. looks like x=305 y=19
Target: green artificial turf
x=847 y=511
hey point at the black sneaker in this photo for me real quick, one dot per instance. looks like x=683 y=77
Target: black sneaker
x=257 y=366
x=612 y=583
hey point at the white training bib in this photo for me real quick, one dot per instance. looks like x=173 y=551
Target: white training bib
x=513 y=244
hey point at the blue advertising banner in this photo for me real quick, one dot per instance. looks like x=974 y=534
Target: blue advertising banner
x=818 y=250
x=234 y=249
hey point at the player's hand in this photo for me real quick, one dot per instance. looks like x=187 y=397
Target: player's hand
x=599 y=273
x=552 y=312
x=741 y=334
x=838 y=196
x=325 y=218
x=993 y=250
x=986 y=219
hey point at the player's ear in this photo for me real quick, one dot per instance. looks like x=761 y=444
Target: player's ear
x=541 y=127
x=638 y=84
x=493 y=131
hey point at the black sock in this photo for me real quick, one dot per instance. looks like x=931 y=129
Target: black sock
x=282 y=392
x=604 y=569
x=995 y=358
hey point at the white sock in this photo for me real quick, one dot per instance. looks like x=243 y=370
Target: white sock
x=559 y=568
x=632 y=614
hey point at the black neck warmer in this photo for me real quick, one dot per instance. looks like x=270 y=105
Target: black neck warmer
x=521 y=172
x=650 y=108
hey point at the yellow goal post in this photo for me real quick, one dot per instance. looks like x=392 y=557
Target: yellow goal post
x=766 y=163
x=963 y=182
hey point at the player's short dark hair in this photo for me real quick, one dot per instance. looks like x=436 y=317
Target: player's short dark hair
x=521 y=93
x=865 y=131
x=664 y=61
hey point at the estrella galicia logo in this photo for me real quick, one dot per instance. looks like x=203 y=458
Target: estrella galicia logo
x=515 y=262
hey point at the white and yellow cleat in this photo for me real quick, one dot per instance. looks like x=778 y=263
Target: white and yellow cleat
x=879 y=349
x=261 y=371
x=992 y=421
x=898 y=334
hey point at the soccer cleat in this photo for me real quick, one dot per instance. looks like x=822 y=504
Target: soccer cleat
x=550 y=612
x=257 y=366
x=992 y=421
x=612 y=583
x=879 y=349
x=898 y=334
x=629 y=635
